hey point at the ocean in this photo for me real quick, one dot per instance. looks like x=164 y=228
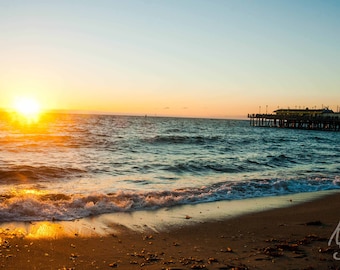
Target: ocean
x=71 y=166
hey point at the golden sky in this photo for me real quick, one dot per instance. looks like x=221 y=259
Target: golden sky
x=175 y=58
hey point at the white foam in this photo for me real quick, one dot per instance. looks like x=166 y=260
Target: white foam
x=30 y=205
x=154 y=220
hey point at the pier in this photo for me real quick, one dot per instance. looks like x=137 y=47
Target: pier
x=315 y=119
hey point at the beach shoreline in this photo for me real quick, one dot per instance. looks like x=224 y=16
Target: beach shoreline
x=293 y=235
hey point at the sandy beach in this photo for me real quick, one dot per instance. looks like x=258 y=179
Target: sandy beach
x=292 y=237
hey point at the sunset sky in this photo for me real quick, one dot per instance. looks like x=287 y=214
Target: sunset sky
x=177 y=58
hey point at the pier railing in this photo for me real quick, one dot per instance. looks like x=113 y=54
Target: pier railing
x=315 y=122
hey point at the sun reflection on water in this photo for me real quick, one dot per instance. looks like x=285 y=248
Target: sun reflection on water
x=34 y=230
x=82 y=228
x=46 y=230
x=35 y=122
x=29 y=191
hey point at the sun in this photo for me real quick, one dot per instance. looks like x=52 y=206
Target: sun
x=27 y=107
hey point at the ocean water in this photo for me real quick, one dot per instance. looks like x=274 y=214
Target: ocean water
x=69 y=166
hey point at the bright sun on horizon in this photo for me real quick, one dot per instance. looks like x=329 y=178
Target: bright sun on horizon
x=27 y=107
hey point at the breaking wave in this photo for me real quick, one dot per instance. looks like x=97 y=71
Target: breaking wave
x=33 y=206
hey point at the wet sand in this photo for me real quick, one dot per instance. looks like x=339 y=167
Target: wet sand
x=293 y=237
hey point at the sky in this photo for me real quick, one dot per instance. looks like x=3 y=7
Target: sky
x=190 y=58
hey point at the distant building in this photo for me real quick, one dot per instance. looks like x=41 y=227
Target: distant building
x=304 y=112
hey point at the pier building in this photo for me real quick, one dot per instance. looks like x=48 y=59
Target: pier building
x=315 y=119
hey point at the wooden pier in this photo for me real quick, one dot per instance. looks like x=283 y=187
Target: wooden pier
x=323 y=119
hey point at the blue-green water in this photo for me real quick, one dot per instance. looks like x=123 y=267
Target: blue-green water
x=72 y=166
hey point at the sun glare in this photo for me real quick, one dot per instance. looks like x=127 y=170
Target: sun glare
x=28 y=108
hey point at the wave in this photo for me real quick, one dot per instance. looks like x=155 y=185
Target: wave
x=30 y=205
x=203 y=167
x=27 y=174
x=183 y=139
